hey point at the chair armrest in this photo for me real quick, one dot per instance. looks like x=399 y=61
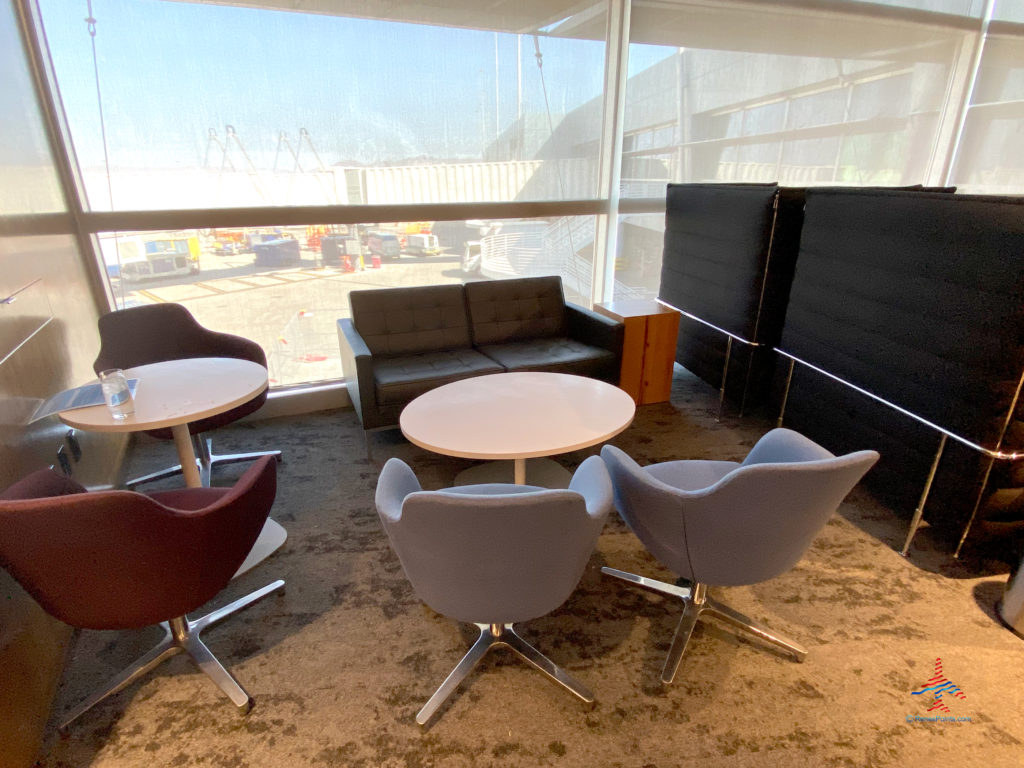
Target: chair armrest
x=357 y=368
x=397 y=480
x=594 y=329
x=592 y=481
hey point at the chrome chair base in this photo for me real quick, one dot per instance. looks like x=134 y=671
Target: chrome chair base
x=182 y=636
x=697 y=602
x=492 y=635
x=206 y=460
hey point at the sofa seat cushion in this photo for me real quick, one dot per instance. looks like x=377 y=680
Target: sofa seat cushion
x=556 y=355
x=397 y=380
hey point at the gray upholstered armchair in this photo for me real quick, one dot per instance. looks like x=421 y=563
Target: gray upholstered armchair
x=493 y=555
x=402 y=342
x=723 y=523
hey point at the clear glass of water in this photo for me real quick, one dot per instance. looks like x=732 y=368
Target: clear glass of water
x=117 y=394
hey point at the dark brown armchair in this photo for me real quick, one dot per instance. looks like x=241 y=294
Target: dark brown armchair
x=125 y=560
x=159 y=332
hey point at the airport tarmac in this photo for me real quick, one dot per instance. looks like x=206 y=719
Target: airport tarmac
x=291 y=312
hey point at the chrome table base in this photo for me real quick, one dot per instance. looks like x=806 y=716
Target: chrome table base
x=492 y=635
x=697 y=602
x=182 y=636
x=206 y=459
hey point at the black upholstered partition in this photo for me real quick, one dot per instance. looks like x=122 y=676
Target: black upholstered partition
x=917 y=298
x=728 y=260
x=716 y=247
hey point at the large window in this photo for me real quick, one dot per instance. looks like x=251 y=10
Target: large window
x=991 y=154
x=525 y=136
x=808 y=96
x=190 y=105
x=28 y=179
x=285 y=287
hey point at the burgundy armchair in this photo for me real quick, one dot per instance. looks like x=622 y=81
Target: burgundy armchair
x=158 y=332
x=125 y=560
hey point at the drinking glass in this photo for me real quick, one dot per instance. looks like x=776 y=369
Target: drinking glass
x=117 y=394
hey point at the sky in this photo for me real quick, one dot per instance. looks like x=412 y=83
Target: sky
x=366 y=91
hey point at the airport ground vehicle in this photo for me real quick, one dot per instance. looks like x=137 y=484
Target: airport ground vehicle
x=422 y=245
x=341 y=251
x=228 y=241
x=282 y=252
x=384 y=245
x=134 y=258
x=471 y=258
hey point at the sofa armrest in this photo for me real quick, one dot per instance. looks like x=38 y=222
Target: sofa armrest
x=594 y=329
x=357 y=367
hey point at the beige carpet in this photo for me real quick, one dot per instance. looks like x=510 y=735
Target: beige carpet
x=340 y=664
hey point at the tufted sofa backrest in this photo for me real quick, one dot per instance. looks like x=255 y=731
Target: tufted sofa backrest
x=406 y=321
x=508 y=310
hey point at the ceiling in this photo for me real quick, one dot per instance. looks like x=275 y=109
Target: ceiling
x=790 y=27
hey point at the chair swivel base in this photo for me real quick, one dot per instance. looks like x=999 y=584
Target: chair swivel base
x=492 y=635
x=697 y=602
x=182 y=636
x=206 y=460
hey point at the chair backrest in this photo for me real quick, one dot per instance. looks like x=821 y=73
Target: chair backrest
x=751 y=525
x=157 y=332
x=406 y=321
x=496 y=554
x=119 y=559
x=501 y=311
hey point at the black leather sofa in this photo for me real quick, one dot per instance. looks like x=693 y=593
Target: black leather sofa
x=402 y=342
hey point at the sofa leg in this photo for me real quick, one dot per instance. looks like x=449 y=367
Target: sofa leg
x=369 y=444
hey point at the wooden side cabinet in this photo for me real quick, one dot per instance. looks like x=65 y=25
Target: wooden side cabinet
x=649 y=350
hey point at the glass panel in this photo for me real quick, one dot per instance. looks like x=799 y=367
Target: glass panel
x=991 y=153
x=1001 y=73
x=29 y=182
x=846 y=101
x=1009 y=10
x=233 y=106
x=285 y=287
x=638 y=261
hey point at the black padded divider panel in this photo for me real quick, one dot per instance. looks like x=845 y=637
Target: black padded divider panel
x=844 y=420
x=701 y=350
x=751 y=266
x=917 y=298
x=716 y=248
x=785 y=245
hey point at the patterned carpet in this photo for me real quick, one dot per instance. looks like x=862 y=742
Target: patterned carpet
x=340 y=664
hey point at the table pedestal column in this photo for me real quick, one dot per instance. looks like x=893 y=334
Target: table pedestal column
x=186 y=455
x=542 y=472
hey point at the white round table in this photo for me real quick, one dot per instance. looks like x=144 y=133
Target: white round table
x=175 y=393
x=516 y=416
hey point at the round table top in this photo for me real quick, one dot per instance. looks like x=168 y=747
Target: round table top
x=177 y=392
x=516 y=415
